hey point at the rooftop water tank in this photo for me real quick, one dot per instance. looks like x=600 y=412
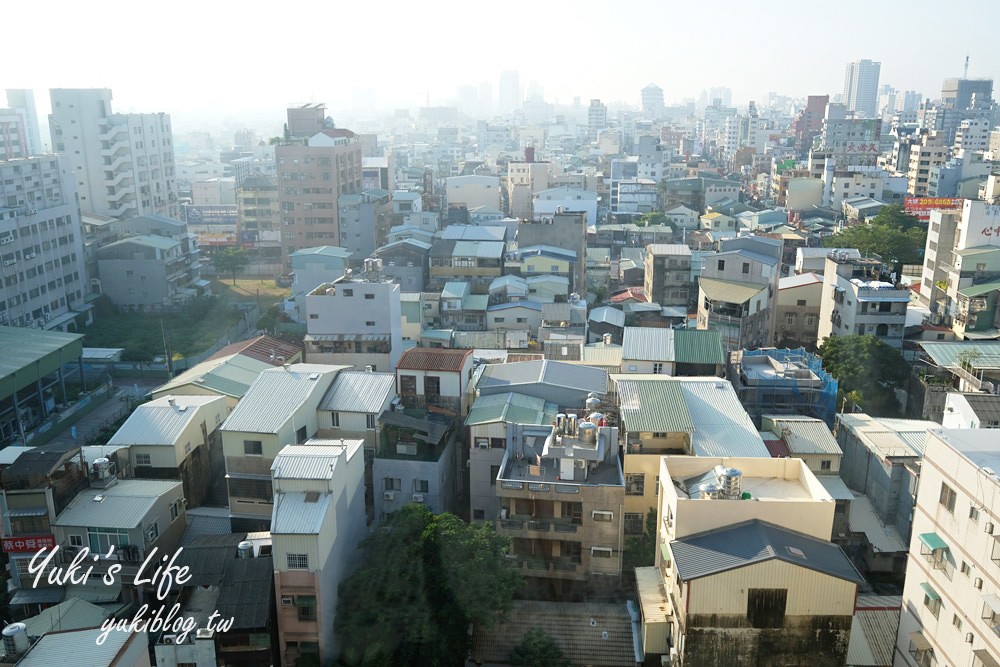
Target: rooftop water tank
x=709 y=491
x=587 y=433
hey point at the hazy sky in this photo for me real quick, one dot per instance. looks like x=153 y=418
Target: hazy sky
x=228 y=60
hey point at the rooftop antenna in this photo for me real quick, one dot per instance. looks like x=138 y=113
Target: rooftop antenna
x=965 y=74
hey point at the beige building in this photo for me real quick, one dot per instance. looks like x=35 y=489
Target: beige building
x=311 y=178
x=744 y=573
x=668 y=274
x=797 y=318
x=930 y=152
x=523 y=180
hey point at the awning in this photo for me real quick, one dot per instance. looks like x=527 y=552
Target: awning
x=931 y=593
x=37 y=596
x=985 y=658
x=27 y=511
x=993 y=602
x=95 y=593
x=305 y=601
x=933 y=541
x=665 y=551
x=918 y=641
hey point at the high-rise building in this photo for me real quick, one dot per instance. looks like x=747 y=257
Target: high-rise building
x=311 y=178
x=13 y=135
x=911 y=102
x=861 y=87
x=123 y=164
x=652 y=102
x=971 y=94
x=510 y=92
x=22 y=100
x=597 y=118
x=41 y=245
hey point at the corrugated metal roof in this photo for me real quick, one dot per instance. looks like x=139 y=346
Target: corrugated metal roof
x=608 y=315
x=693 y=346
x=512 y=408
x=722 y=425
x=23 y=347
x=650 y=406
x=546 y=371
x=474 y=233
x=799 y=280
x=359 y=391
x=742 y=544
x=602 y=355
x=293 y=514
x=124 y=505
x=276 y=394
x=729 y=291
x=835 y=487
x=160 y=423
x=479 y=249
x=455 y=290
x=433 y=359
x=863 y=519
x=228 y=376
x=325 y=250
x=311 y=460
x=71 y=614
x=981 y=354
x=873 y=636
x=648 y=344
x=523 y=303
x=807 y=436
x=79 y=647
x=678 y=249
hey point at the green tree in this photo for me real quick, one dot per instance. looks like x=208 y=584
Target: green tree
x=424 y=579
x=537 y=649
x=894 y=235
x=231 y=261
x=868 y=371
x=640 y=550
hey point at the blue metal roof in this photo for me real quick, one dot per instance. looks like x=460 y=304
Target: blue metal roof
x=750 y=542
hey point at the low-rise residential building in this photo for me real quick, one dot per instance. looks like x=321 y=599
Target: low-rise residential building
x=798 y=309
x=476 y=262
x=365 y=219
x=521 y=315
x=352 y=404
x=808 y=439
x=175 y=437
x=119 y=649
x=606 y=321
x=435 y=378
x=406 y=261
x=565 y=384
x=317 y=524
x=543 y=260
x=461 y=309
x=737 y=582
x=971 y=410
x=491 y=423
x=148 y=273
x=371 y=336
x=660 y=351
x=860 y=297
x=417 y=461
x=280 y=408
x=313 y=267
x=668 y=274
x=950 y=608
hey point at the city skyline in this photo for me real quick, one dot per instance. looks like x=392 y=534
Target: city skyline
x=672 y=47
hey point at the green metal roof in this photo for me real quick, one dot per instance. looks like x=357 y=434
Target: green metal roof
x=931 y=593
x=980 y=290
x=729 y=291
x=31 y=354
x=511 y=407
x=985 y=354
x=933 y=541
x=698 y=347
x=649 y=406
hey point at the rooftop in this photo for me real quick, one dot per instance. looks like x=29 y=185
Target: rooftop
x=123 y=505
x=864 y=519
x=658 y=249
x=545 y=371
x=978 y=446
x=433 y=359
x=889 y=437
x=799 y=280
x=804 y=435
x=952 y=354
x=359 y=391
x=672 y=345
x=262 y=348
x=275 y=396
x=511 y=407
x=729 y=291
x=756 y=541
x=538 y=455
x=316 y=459
x=79 y=647
x=299 y=512
x=162 y=421
x=765 y=479
x=228 y=376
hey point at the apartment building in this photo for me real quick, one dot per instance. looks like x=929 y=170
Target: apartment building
x=797 y=310
x=950 y=609
x=668 y=274
x=566 y=229
x=365 y=219
x=317 y=524
x=42 y=263
x=435 y=377
x=259 y=214
x=932 y=151
x=473 y=191
x=122 y=165
x=371 y=336
x=312 y=175
x=664 y=351
x=861 y=297
x=524 y=178
x=417 y=461
x=745 y=573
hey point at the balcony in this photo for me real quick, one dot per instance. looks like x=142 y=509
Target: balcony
x=527 y=526
x=553 y=568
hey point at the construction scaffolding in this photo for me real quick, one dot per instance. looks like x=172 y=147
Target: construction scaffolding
x=773 y=381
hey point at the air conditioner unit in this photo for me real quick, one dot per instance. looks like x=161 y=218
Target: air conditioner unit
x=286 y=601
x=482 y=445
x=9 y=262
x=988 y=528
x=168 y=639
x=388 y=495
x=977 y=583
x=969 y=637
x=418 y=497
x=4 y=240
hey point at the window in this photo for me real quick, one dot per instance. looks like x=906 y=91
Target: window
x=253 y=448
x=601 y=552
x=392 y=484
x=76 y=540
x=152 y=532
x=369 y=296
x=370 y=422
x=766 y=607
x=722 y=265
x=635 y=484
x=100 y=540
x=175 y=510
x=300 y=435
x=369 y=323
x=603 y=516
x=746 y=268
x=956 y=621
x=965 y=569
x=825 y=464
x=800 y=302
x=421 y=486
x=478 y=515
x=931 y=599
x=143 y=460
x=634 y=523
x=974 y=513
x=947 y=498
x=348 y=292
x=657 y=368
x=335 y=419
x=306 y=606
x=297 y=561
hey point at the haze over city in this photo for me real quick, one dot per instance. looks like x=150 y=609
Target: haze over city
x=211 y=60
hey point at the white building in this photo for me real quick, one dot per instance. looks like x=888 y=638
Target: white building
x=473 y=191
x=859 y=298
x=123 y=164
x=971 y=410
x=597 y=118
x=951 y=608
x=861 y=88
x=41 y=246
x=546 y=203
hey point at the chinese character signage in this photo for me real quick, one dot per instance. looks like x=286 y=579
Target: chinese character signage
x=927 y=204
x=210 y=215
x=20 y=545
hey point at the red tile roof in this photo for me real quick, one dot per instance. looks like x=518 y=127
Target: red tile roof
x=778 y=449
x=263 y=348
x=433 y=359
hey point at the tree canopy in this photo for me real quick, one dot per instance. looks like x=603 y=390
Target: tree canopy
x=893 y=234
x=231 y=261
x=537 y=649
x=867 y=370
x=425 y=578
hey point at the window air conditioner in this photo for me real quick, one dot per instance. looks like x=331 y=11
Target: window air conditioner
x=388 y=495
x=418 y=497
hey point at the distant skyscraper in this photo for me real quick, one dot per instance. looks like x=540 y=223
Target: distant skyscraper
x=597 y=118
x=486 y=98
x=123 y=164
x=652 y=102
x=911 y=101
x=23 y=100
x=963 y=94
x=861 y=88
x=510 y=91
